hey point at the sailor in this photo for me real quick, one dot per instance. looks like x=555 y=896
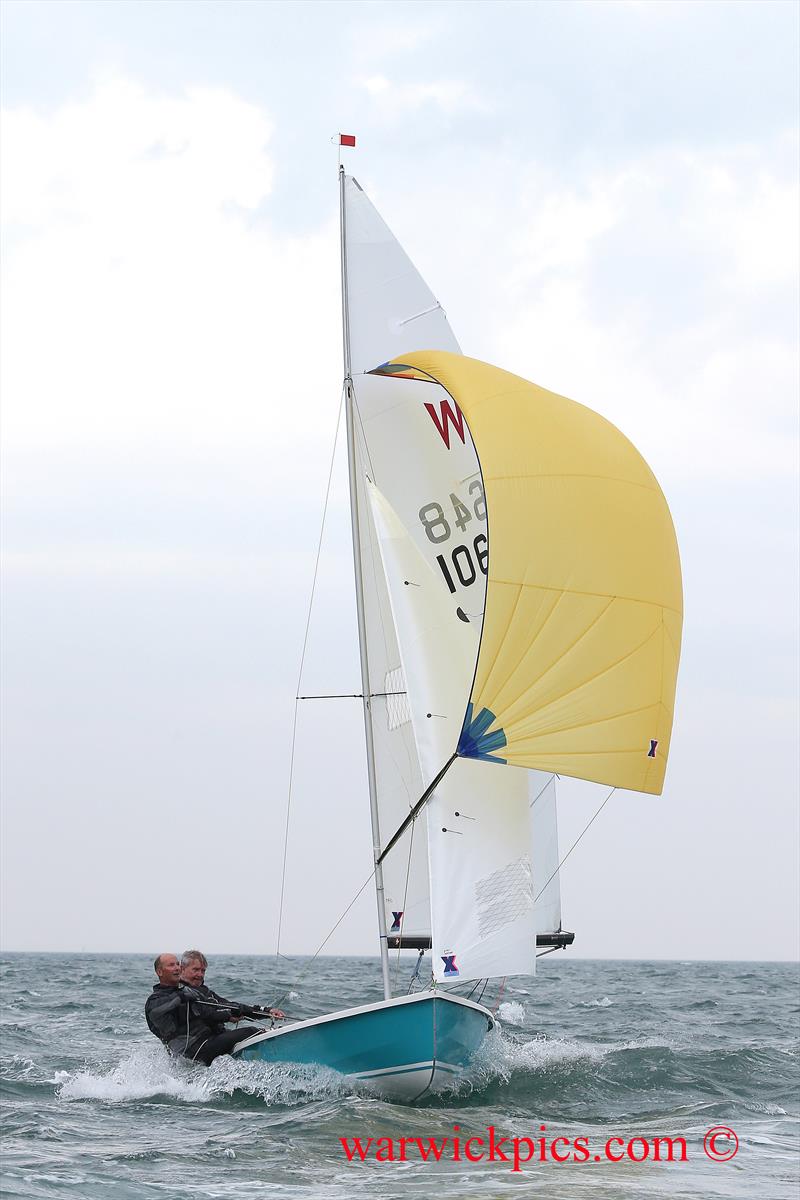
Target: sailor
x=185 y=1021
x=193 y=973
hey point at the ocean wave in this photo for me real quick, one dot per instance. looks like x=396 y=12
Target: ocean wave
x=604 y=1003
x=17 y=1065
x=546 y=1054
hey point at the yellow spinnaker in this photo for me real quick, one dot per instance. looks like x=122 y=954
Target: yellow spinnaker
x=581 y=634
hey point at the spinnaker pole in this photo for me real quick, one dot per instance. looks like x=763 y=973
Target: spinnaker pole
x=362 y=629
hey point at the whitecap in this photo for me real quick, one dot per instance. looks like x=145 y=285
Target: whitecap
x=769 y=1110
x=500 y=1057
x=512 y=1012
x=542 y=1054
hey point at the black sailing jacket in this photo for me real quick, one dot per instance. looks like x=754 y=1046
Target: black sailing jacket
x=183 y=1017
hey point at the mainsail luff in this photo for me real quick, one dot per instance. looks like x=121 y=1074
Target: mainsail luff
x=362 y=637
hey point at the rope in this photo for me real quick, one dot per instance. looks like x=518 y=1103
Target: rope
x=300 y=677
x=405 y=905
x=502 y=989
x=415 y=976
x=574 y=844
x=543 y=790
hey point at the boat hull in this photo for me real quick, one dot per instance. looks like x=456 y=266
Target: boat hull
x=399 y=1048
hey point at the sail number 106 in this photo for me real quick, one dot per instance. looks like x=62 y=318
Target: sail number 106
x=461 y=562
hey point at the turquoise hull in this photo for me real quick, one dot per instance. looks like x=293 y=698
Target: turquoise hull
x=401 y=1048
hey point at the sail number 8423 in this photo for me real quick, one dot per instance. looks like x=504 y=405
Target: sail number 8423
x=438 y=529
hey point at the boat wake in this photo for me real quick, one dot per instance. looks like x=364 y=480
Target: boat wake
x=150 y=1073
x=506 y=1061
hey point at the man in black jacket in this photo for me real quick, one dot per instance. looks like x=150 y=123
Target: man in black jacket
x=193 y=973
x=187 y=1022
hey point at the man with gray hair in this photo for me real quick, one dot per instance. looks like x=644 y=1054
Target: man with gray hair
x=185 y=1021
x=193 y=972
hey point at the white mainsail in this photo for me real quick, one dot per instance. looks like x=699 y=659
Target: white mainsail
x=391 y=308
x=427 y=516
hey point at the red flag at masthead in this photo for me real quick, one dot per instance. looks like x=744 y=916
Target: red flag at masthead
x=347 y=139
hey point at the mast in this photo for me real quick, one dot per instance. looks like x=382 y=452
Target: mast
x=362 y=632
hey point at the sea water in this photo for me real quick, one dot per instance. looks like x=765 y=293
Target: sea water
x=94 y=1107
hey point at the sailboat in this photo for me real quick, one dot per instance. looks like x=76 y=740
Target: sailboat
x=519 y=615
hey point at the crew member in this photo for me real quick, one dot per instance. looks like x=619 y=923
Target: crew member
x=185 y=1021
x=193 y=972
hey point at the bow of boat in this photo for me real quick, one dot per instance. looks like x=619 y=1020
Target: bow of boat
x=401 y=1048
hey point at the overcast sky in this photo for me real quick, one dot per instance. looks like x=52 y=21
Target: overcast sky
x=604 y=197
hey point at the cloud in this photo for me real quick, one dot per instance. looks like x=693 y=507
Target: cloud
x=662 y=292
x=142 y=304
x=449 y=96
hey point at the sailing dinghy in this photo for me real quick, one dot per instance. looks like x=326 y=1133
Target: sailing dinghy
x=519 y=605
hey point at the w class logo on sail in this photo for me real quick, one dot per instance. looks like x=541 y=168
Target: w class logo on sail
x=449 y=414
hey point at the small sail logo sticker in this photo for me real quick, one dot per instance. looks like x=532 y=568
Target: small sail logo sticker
x=396 y=919
x=445 y=418
x=651 y=753
x=450 y=968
